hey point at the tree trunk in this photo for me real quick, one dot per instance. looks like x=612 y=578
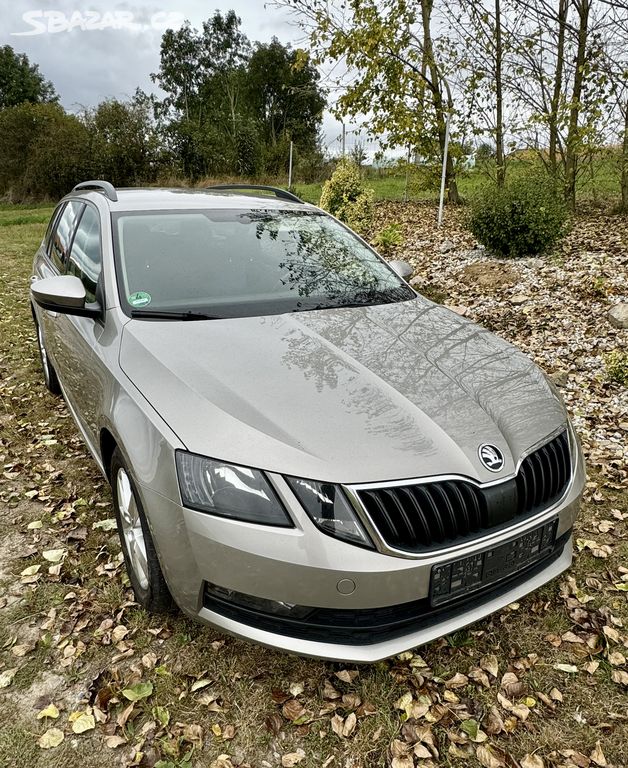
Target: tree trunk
x=437 y=99
x=499 y=104
x=563 y=8
x=573 y=138
x=624 y=163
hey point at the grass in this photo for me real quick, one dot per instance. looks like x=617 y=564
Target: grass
x=598 y=181
x=245 y=681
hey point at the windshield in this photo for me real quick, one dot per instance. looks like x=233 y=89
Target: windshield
x=234 y=263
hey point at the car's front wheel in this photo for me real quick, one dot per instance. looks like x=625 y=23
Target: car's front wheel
x=50 y=375
x=140 y=557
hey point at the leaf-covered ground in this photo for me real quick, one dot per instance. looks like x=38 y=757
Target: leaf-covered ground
x=88 y=679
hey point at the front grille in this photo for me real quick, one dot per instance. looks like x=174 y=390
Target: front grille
x=543 y=475
x=425 y=516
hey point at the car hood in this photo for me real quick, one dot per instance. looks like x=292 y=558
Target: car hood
x=346 y=395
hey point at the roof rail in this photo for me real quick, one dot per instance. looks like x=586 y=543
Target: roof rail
x=282 y=194
x=103 y=186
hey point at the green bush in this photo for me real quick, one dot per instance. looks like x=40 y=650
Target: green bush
x=526 y=217
x=346 y=197
x=617 y=366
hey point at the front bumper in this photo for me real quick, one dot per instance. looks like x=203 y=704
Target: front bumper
x=301 y=566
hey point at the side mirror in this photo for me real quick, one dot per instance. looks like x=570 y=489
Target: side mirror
x=402 y=268
x=64 y=294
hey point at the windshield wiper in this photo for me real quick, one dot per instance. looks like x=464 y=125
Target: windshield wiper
x=158 y=314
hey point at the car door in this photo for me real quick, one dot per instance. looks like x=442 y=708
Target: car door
x=80 y=366
x=51 y=261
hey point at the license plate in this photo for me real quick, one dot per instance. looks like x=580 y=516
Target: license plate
x=468 y=574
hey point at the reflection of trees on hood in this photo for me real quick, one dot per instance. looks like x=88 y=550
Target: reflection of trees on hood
x=319 y=263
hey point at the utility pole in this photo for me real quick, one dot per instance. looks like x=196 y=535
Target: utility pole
x=344 y=139
x=444 y=173
x=405 y=191
x=290 y=167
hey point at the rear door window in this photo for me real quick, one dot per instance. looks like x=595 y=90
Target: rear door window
x=85 y=260
x=61 y=239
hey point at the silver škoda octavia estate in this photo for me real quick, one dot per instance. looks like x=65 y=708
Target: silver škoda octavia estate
x=302 y=450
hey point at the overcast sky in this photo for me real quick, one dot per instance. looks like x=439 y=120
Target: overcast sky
x=87 y=65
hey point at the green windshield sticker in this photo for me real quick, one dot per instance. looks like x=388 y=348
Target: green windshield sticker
x=140 y=299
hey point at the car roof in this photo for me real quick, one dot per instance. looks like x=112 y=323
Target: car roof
x=154 y=198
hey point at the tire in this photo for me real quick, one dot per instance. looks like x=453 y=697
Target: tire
x=50 y=375
x=140 y=557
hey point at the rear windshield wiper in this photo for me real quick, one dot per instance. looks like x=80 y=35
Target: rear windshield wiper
x=158 y=314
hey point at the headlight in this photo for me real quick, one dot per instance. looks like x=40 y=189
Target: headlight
x=228 y=490
x=330 y=511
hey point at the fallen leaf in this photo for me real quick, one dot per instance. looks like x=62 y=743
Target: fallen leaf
x=619 y=676
x=198 y=684
x=54 y=555
x=6 y=677
x=555 y=694
x=347 y=675
x=487 y=757
x=329 y=692
x=570 y=668
x=106 y=525
x=598 y=755
x=421 y=751
x=114 y=741
x=162 y=716
x=532 y=761
x=138 y=691
x=611 y=633
x=293 y=709
x=21 y=650
x=296 y=689
x=349 y=725
x=82 y=721
x=50 y=711
x=489 y=664
x=337 y=724
x=457 y=681
x=51 y=738
x=222 y=761
x=291 y=759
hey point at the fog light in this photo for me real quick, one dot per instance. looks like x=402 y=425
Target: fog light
x=257 y=604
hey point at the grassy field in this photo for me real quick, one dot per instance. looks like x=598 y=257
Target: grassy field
x=542 y=684
x=598 y=181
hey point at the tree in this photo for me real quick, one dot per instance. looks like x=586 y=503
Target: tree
x=398 y=73
x=285 y=97
x=558 y=87
x=479 y=34
x=124 y=141
x=583 y=9
x=230 y=108
x=202 y=73
x=615 y=67
x=22 y=81
x=43 y=151
x=358 y=154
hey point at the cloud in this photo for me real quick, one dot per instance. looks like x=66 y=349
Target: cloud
x=101 y=50
x=98 y=50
